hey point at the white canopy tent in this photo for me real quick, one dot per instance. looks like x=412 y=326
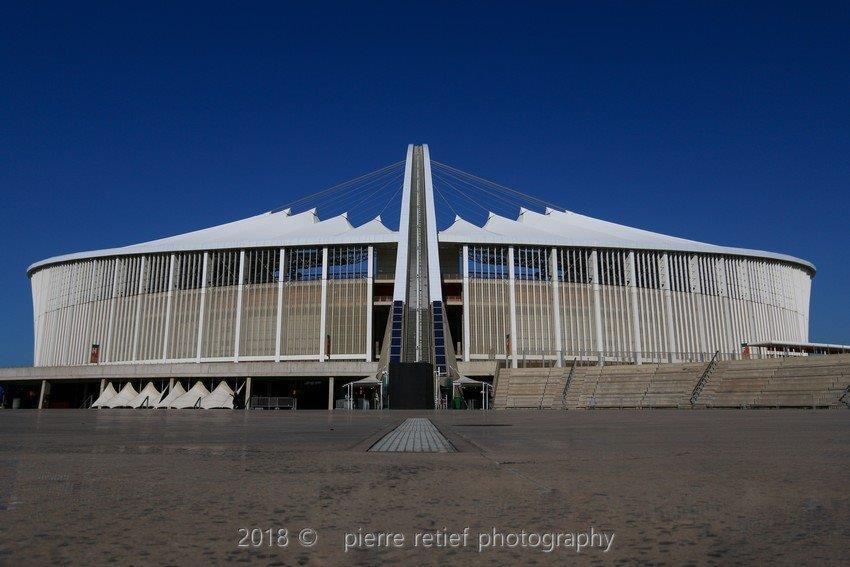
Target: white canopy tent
x=466 y=381
x=148 y=397
x=369 y=382
x=175 y=392
x=107 y=394
x=123 y=398
x=192 y=398
x=220 y=397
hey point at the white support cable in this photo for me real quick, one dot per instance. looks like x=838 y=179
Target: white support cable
x=338 y=186
x=487 y=209
x=510 y=200
x=351 y=203
x=397 y=191
x=443 y=197
x=350 y=193
x=344 y=205
x=494 y=184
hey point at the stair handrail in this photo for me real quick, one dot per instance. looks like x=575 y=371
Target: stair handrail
x=545 y=386
x=703 y=379
x=843 y=399
x=569 y=380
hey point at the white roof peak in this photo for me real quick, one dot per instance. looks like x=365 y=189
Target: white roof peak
x=567 y=228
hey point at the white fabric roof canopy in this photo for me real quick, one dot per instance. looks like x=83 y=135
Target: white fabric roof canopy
x=550 y=228
x=565 y=228
x=271 y=229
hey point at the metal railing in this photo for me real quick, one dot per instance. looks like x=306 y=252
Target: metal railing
x=548 y=358
x=273 y=402
x=568 y=382
x=703 y=379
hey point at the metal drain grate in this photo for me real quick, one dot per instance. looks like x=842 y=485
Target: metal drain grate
x=414 y=435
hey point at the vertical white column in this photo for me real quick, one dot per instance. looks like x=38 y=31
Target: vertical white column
x=699 y=298
x=140 y=294
x=726 y=301
x=110 y=324
x=324 y=309
x=203 y=302
x=168 y=300
x=512 y=295
x=102 y=385
x=239 y=288
x=466 y=307
x=41 y=394
x=90 y=316
x=69 y=310
x=597 y=306
x=331 y=391
x=632 y=283
x=248 y=393
x=556 y=305
x=664 y=274
x=370 y=263
x=278 y=326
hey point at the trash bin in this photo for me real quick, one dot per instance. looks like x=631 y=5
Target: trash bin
x=457 y=402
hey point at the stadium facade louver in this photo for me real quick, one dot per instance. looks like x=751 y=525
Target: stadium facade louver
x=529 y=281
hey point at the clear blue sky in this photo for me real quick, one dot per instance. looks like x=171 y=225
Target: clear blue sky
x=718 y=122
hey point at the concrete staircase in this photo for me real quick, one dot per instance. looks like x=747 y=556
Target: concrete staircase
x=538 y=388
x=816 y=381
x=737 y=383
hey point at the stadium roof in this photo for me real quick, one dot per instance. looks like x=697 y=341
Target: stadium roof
x=465 y=195
x=565 y=228
x=272 y=229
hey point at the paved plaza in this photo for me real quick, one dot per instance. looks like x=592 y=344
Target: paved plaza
x=192 y=487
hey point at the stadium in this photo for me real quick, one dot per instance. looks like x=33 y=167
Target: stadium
x=464 y=278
